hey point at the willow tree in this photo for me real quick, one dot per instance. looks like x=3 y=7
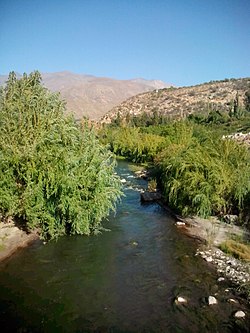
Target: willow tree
x=54 y=175
x=203 y=174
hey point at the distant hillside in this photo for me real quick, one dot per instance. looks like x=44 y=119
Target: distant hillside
x=92 y=96
x=180 y=102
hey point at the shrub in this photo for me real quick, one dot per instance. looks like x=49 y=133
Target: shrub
x=53 y=174
x=203 y=174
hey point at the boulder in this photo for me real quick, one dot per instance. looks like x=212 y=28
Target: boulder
x=150 y=196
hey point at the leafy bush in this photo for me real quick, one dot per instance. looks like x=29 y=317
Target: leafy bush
x=132 y=144
x=201 y=174
x=53 y=174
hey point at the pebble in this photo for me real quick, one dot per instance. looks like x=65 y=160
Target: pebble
x=240 y=314
x=212 y=300
x=233 y=301
x=220 y=279
x=234 y=269
x=180 y=223
x=180 y=300
x=123 y=180
x=209 y=259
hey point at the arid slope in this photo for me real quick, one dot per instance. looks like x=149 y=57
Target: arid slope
x=180 y=102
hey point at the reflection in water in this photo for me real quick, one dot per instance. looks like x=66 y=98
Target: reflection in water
x=124 y=280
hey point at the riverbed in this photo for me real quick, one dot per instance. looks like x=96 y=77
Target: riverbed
x=123 y=280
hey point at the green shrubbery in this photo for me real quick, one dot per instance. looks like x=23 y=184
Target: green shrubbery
x=203 y=174
x=198 y=171
x=132 y=143
x=53 y=174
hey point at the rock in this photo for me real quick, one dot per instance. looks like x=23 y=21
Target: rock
x=150 y=196
x=209 y=259
x=123 y=180
x=212 y=300
x=230 y=218
x=142 y=174
x=180 y=300
x=240 y=314
x=180 y=223
x=221 y=279
x=232 y=301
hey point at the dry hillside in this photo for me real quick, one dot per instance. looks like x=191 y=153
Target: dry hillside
x=92 y=96
x=180 y=102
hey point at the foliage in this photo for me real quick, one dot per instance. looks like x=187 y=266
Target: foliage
x=144 y=119
x=132 y=144
x=152 y=185
x=202 y=174
x=247 y=100
x=53 y=174
x=198 y=172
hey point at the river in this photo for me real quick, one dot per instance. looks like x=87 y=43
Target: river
x=122 y=280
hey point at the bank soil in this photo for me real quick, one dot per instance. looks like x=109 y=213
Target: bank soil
x=13 y=238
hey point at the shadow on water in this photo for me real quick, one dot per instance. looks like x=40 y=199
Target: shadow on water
x=124 y=280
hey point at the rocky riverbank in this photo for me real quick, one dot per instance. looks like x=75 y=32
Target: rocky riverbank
x=211 y=233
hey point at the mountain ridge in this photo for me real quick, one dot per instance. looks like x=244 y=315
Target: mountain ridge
x=90 y=96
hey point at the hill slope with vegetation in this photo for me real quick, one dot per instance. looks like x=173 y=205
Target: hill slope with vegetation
x=201 y=168
x=179 y=103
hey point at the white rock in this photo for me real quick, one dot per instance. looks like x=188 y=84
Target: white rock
x=180 y=300
x=239 y=314
x=233 y=301
x=212 y=300
x=209 y=259
x=123 y=180
x=221 y=279
x=180 y=223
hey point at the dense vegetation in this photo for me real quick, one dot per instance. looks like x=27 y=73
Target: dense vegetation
x=198 y=171
x=54 y=175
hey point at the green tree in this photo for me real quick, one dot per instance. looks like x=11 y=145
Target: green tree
x=204 y=175
x=247 y=100
x=53 y=174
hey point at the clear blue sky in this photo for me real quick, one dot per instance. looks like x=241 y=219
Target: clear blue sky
x=183 y=42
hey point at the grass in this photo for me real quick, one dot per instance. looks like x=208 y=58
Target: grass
x=236 y=249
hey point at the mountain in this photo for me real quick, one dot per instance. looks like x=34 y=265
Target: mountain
x=180 y=102
x=91 y=96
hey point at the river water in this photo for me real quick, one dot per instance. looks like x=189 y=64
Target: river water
x=124 y=280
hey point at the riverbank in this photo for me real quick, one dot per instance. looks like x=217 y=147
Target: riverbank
x=13 y=238
x=211 y=233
